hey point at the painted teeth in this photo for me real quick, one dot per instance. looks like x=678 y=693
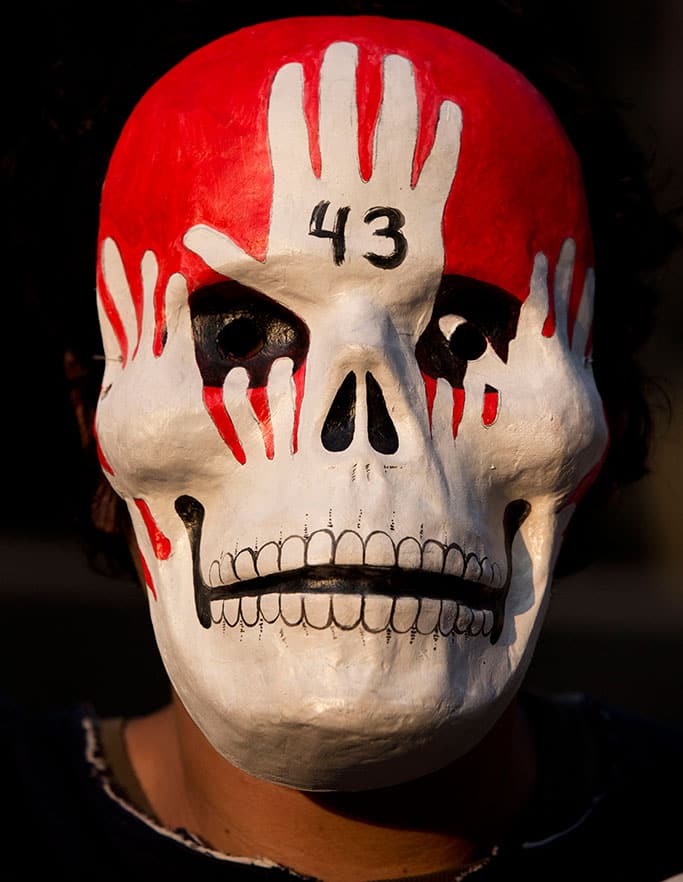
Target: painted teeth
x=319 y=549
x=318 y=610
x=405 y=613
x=373 y=613
x=322 y=548
x=378 y=549
x=377 y=612
x=268 y=558
x=292 y=553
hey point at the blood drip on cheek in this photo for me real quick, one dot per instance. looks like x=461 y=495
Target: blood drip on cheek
x=146 y=574
x=299 y=383
x=258 y=398
x=489 y=411
x=490 y=405
x=100 y=453
x=458 y=409
x=430 y=384
x=160 y=543
x=213 y=399
x=430 y=392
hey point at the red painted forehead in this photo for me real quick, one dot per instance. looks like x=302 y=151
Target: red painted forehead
x=195 y=148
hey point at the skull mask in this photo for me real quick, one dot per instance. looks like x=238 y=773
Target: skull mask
x=345 y=291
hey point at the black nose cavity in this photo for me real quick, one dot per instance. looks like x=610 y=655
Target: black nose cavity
x=381 y=430
x=340 y=422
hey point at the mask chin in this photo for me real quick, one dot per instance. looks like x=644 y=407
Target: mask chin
x=394 y=688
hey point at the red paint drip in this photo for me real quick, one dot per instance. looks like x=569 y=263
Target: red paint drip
x=112 y=313
x=160 y=543
x=159 y=318
x=430 y=392
x=137 y=296
x=368 y=101
x=100 y=453
x=146 y=573
x=258 y=398
x=311 y=65
x=549 y=323
x=458 y=409
x=213 y=399
x=489 y=411
x=585 y=483
x=299 y=384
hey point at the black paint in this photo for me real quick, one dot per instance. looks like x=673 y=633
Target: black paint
x=390 y=581
x=381 y=430
x=515 y=514
x=395 y=220
x=340 y=422
x=336 y=234
x=491 y=316
x=192 y=515
x=467 y=342
x=236 y=326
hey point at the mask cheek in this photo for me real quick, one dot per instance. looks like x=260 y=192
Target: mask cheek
x=132 y=418
x=548 y=429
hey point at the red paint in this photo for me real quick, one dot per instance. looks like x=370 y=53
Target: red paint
x=550 y=323
x=583 y=486
x=586 y=482
x=513 y=196
x=159 y=340
x=213 y=399
x=458 y=409
x=489 y=411
x=146 y=573
x=100 y=453
x=112 y=313
x=258 y=398
x=134 y=278
x=299 y=384
x=161 y=546
x=430 y=392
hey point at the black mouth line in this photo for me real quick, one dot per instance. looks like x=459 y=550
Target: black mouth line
x=446 y=620
x=363 y=580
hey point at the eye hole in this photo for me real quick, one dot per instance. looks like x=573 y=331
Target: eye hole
x=240 y=338
x=467 y=342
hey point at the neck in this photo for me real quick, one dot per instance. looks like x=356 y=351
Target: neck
x=397 y=831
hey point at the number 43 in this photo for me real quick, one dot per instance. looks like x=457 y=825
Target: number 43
x=395 y=220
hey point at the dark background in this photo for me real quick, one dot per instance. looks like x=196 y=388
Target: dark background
x=71 y=74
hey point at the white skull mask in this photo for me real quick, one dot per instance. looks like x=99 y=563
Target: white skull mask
x=346 y=305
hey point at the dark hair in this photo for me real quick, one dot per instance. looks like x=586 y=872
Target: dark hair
x=91 y=83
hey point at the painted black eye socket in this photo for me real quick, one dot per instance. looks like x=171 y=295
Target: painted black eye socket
x=240 y=338
x=237 y=327
x=467 y=342
x=490 y=319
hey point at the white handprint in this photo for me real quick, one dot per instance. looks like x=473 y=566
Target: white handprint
x=337 y=232
x=297 y=191
x=148 y=391
x=549 y=410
